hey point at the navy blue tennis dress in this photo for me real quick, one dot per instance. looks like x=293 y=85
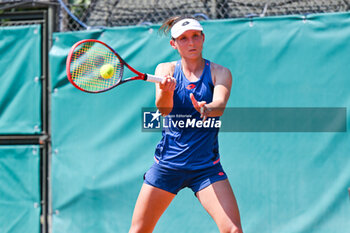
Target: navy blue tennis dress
x=188 y=153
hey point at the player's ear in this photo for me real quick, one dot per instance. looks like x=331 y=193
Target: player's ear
x=172 y=43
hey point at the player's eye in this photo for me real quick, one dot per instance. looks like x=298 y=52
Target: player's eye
x=182 y=39
x=197 y=36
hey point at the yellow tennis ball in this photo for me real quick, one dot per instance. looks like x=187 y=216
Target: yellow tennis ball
x=107 y=71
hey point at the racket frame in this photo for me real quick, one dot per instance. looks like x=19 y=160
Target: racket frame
x=140 y=76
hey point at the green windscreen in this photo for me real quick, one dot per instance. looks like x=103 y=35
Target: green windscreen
x=284 y=181
x=20 y=77
x=20 y=205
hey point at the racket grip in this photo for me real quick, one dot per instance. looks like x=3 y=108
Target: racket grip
x=152 y=78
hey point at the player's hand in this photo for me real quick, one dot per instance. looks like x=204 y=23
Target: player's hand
x=200 y=106
x=168 y=84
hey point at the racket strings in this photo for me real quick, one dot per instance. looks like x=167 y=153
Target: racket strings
x=86 y=63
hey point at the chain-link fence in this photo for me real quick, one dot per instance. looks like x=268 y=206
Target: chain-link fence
x=131 y=12
x=81 y=14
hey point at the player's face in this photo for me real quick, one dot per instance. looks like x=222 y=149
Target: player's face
x=189 y=44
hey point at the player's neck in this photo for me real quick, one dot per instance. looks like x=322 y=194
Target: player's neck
x=193 y=68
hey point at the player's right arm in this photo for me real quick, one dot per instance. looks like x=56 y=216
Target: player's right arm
x=165 y=89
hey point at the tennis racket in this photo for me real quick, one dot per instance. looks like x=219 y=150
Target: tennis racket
x=92 y=66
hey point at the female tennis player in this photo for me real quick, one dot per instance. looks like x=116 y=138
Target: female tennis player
x=188 y=157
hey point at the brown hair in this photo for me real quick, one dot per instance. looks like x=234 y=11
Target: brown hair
x=169 y=23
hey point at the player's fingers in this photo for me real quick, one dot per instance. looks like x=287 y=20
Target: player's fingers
x=173 y=80
x=168 y=84
x=204 y=112
x=162 y=83
x=173 y=84
x=202 y=109
x=201 y=103
x=194 y=102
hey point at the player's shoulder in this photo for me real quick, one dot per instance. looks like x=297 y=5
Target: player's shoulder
x=167 y=65
x=219 y=72
x=166 y=68
x=219 y=69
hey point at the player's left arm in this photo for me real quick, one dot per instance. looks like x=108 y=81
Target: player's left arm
x=222 y=79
